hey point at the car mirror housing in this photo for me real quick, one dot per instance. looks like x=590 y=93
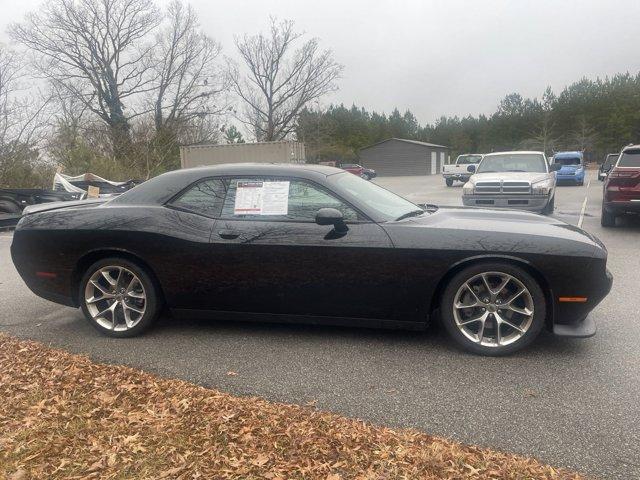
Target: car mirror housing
x=554 y=167
x=471 y=169
x=331 y=216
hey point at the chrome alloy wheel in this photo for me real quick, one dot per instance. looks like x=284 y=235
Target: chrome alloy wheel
x=493 y=309
x=115 y=298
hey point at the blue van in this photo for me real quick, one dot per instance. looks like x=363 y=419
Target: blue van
x=572 y=167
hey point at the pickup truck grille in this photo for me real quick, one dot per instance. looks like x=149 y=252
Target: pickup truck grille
x=504 y=187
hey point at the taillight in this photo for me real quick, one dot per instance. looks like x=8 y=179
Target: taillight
x=623 y=178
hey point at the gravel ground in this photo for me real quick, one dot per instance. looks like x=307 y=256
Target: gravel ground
x=571 y=403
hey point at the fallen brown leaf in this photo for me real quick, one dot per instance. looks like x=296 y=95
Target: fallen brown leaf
x=64 y=416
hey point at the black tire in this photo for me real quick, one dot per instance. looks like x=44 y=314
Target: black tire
x=607 y=219
x=153 y=297
x=7 y=206
x=366 y=176
x=548 y=210
x=449 y=182
x=537 y=295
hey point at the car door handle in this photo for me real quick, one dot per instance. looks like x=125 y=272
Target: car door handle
x=228 y=234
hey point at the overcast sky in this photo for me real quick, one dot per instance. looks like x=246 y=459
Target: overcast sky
x=433 y=57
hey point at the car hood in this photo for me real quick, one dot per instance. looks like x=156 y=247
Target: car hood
x=498 y=230
x=502 y=176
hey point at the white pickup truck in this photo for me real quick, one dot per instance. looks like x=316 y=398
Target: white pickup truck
x=458 y=170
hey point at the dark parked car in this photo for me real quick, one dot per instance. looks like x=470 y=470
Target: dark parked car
x=607 y=165
x=13 y=200
x=311 y=243
x=359 y=170
x=622 y=187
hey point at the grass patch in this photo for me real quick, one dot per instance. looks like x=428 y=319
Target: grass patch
x=64 y=416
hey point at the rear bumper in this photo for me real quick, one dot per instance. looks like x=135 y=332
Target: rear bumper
x=463 y=177
x=631 y=206
x=533 y=203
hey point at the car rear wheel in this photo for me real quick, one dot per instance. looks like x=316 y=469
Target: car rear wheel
x=607 y=219
x=493 y=309
x=366 y=176
x=119 y=298
x=449 y=182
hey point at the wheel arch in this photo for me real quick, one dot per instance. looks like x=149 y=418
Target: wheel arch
x=516 y=261
x=95 y=255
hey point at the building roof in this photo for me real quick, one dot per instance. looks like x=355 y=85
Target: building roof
x=424 y=144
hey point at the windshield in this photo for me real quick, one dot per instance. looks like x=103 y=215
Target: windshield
x=467 y=159
x=629 y=158
x=567 y=161
x=513 y=162
x=387 y=204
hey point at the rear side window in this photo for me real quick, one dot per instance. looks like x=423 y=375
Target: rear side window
x=205 y=197
x=629 y=158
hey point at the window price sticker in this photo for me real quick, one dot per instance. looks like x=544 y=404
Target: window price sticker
x=262 y=198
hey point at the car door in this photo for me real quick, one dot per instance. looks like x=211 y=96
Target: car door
x=282 y=262
x=181 y=254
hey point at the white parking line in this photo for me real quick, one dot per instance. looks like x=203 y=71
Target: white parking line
x=584 y=205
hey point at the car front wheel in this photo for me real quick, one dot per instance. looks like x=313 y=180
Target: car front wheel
x=449 y=182
x=551 y=205
x=493 y=309
x=119 y=298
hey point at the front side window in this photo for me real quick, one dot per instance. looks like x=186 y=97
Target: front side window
x=205 y=197
x=513 y=162
x=611 y=160
x=280 y=199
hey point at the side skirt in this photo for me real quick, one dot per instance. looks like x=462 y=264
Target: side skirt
x=293 y=319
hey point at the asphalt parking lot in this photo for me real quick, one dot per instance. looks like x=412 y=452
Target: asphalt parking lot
x=571 y=403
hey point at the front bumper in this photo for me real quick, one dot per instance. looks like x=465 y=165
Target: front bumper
x=584 y=329
x=576 y=320
x=570 y=178
x=533 y=203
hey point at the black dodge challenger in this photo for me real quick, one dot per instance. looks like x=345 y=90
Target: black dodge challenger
x=315 y=244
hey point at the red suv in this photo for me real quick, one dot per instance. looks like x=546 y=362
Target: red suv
x=622 y=187
x=359 y=170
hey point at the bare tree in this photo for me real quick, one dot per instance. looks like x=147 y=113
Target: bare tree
x=96 y=51
x=188 y=81
x=276 y=81
x=22 y=121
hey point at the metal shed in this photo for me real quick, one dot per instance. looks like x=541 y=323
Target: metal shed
x=398 y=156
x=263 y=152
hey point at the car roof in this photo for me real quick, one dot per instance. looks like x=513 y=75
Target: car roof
x=631 y=147
x=163 y=187
x=514 y=152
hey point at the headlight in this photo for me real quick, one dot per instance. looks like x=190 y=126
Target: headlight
x=542 y=187
x=467 y=189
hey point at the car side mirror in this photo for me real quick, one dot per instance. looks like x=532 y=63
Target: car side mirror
x=554 y=167
x=471 y=169
x=331 y=216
